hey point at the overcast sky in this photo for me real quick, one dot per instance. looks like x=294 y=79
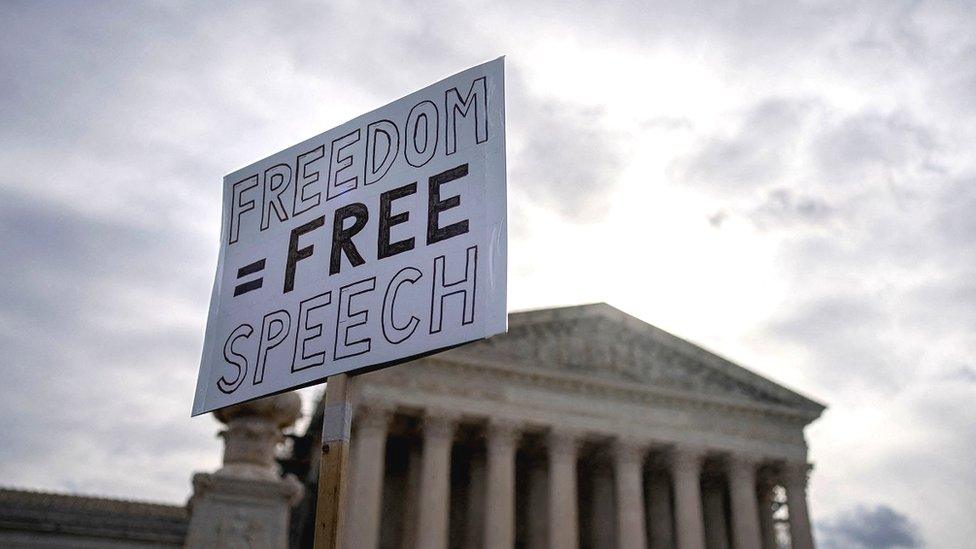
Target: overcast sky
x=790 y=185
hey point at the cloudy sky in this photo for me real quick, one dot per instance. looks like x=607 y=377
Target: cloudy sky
x=790 y=185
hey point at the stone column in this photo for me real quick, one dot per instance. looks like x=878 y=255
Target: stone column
x=745 y=509
x=369 y=457
x=713 y=507
x=686 y=473
x=767 y=525
x=246 y=502
x=629 y=471
x=500 y=505
x=661 y=522
x=563 y=511
x=435 y=480
x=795 y=475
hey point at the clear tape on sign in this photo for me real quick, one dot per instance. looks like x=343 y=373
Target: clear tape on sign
x=337 y=423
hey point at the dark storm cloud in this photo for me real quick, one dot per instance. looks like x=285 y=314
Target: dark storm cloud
x=880 y=527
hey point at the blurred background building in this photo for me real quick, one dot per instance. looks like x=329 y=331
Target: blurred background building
x=581 y=427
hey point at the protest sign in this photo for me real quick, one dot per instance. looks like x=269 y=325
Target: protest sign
x=376 y=241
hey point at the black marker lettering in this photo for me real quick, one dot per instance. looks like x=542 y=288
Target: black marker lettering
x=436 y=233
x=234 y=358
x=274 y=330
x=476 y=99
x=238 y=207
x=342 y=238
x=421 y=133
x=341 y=162
x=383 y=246
x=377 y=132
x=276 y=181
x=304 y=179
x=393 y=333
x=441 y=290
x=308 y=333
x=348 y=318
x=295 y=254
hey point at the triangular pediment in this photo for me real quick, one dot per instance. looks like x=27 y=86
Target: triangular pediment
x=602 y=342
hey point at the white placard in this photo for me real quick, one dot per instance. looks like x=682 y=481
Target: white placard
x=379 y=240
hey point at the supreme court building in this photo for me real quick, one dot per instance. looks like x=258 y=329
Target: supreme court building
x=582 y=427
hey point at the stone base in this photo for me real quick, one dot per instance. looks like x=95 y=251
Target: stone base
x=229 y=512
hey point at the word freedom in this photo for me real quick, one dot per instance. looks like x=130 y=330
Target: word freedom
x=381 y=150
x=345 y=204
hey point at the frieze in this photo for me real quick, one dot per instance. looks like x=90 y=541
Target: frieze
x=600 y=347
x=498 y=383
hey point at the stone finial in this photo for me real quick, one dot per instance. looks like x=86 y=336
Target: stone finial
x=253 y=431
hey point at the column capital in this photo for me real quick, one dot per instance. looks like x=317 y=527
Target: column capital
x=503 y=431
x=374 y=415
x=564 y=441
x=628 y=450
x=440 y=423
x=744 y=465
x=685 y=457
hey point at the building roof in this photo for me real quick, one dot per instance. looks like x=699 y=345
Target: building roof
x=75 y=516
x=600 y=341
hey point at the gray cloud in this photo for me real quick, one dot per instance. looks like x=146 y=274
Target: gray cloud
x=783 y=207
x=571 y=160
x=850 y=149
x=880 y=527
x=845 y=331
x=100 y=329
x=758 y=153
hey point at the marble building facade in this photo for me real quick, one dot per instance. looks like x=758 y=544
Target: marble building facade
x=582 y=427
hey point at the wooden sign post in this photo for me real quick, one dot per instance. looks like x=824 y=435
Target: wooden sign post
x=336 y=429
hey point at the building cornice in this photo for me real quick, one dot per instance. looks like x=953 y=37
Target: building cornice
x=613 y=388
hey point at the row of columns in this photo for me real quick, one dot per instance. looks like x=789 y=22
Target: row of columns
x=750 y=528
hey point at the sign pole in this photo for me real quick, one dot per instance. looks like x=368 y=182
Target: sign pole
x=336 y=427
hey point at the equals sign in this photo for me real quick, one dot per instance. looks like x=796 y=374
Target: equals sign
x=255 y=267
